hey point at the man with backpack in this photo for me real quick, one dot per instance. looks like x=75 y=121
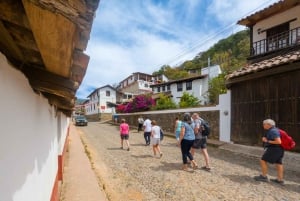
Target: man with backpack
x=201 y=130
x=273 y=152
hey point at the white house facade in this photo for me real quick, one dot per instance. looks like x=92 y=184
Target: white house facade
x=196 y=86
x=99 y=99
x=211 y=71
x=135 y=84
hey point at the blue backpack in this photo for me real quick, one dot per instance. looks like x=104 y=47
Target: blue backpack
x=161 y=134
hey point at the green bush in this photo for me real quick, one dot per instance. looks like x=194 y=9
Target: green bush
x=188 y=100
x=164 y=102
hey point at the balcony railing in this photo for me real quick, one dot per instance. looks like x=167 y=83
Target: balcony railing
x=276 y=42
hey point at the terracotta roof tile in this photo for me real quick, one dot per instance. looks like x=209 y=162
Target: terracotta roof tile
x=266 y=64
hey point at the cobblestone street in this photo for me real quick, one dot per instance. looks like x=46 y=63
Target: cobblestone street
x=137 y=175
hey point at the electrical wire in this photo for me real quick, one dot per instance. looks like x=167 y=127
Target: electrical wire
x=201 y=42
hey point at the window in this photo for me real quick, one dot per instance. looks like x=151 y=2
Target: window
x=168 y=87
x=158 y=89
x=189 y=85
x=179 y=86
x=107 y=93
x=163 y=88
x=278 y=37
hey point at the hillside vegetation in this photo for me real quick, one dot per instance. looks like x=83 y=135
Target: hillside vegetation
x=230 y=54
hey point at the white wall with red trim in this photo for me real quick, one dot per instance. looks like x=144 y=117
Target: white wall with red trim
x=32 y=135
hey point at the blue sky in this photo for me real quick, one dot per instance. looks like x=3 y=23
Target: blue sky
x=142 y=35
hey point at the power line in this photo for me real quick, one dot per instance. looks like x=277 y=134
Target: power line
x=200 y=42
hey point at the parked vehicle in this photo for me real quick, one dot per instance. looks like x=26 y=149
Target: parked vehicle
x=81 y=121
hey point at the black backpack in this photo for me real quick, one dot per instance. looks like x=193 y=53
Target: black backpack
x=205 y=127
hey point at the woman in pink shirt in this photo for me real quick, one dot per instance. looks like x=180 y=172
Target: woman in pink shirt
x=124 y=133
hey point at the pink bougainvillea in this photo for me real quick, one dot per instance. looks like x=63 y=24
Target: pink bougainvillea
x=138 y=104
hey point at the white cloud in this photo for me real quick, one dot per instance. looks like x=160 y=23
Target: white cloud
x=140 y=36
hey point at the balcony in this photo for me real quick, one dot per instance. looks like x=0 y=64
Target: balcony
x=276 y=42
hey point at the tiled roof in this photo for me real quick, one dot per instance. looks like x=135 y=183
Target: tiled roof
x=266 y=64
x=269 y=11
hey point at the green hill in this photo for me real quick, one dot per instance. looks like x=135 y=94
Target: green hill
x=230 y=53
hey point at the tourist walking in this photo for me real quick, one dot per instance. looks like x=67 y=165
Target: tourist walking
x=200 y=141
x=155 y=138
x=273 y=152
x=140 y=123
x=186 y=140
x=147 y=130
x=177 y=128
x=124 y=134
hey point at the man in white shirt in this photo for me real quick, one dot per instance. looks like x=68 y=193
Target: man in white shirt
x=147 y=130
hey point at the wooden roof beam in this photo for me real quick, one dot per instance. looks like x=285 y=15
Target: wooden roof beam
x=8 y=43
x=45 y=81
x=13 y=11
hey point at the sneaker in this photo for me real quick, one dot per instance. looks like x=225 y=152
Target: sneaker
x=128 y=149
x=277 y=181
x=261 y=178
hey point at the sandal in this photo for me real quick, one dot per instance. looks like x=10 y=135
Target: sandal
x=206 y=168
x=184 y=167
x=194 y=165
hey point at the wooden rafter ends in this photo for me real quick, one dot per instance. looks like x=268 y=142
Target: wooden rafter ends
x=45 y=39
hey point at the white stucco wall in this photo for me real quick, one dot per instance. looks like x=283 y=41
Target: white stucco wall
x=225 y=116
x=199 y=90
x=96 y=105
x=29 y=145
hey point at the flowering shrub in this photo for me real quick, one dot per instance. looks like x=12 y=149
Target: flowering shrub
x=138 y=104
x=120 y=108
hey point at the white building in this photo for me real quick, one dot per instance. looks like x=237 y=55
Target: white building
x=197 y=85
x=211 y=71
x=99 y=99
x=135 y=84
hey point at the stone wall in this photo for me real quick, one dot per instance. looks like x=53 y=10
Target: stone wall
x=166 y=119
x=99 y=117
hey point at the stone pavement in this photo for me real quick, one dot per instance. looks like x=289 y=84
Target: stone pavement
x=291 y=160
x=79 y=180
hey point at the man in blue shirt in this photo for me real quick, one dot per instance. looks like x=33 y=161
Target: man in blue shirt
x=273 y=152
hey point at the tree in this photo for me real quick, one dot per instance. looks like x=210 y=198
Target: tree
x=216 y=87
x=188 y=100
x=164 y=102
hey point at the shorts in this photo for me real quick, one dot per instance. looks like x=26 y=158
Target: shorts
x=200 y=143
x=177 y=134
x=155 y=141
x=273 y=155
x=124 y=137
